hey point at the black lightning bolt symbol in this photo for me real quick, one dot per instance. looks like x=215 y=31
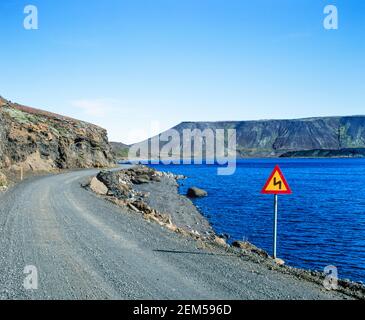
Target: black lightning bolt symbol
x=277 y=183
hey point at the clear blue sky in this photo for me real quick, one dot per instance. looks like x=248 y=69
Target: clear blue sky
x=127 y=64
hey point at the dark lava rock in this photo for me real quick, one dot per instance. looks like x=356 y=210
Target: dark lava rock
x=195 y=192
x=156 y=179
x=141 y=177
x=250 y=247
x=224 y=236
x=140 y=180
x=111 y=180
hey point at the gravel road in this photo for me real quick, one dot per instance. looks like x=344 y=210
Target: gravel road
x=87 y=248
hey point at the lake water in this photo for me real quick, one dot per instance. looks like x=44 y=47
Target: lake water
x=322 y=223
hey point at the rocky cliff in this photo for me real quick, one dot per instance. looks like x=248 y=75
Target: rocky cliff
x=41 y=141
x=271 y=138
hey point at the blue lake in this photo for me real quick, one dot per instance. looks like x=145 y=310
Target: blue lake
x=322 y=223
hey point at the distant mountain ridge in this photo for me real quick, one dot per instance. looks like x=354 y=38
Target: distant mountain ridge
x=274 y=138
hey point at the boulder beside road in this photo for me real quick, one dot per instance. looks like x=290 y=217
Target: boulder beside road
x=98 y=187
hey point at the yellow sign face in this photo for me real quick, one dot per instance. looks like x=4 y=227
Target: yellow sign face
x=276 y=184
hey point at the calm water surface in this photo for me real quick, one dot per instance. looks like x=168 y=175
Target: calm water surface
x=322 y=223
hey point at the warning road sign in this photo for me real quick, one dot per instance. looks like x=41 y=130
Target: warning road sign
x=276 y=184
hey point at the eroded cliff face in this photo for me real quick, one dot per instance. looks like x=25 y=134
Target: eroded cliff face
x=41 y=141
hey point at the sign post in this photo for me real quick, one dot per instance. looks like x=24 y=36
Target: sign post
x=275 y=231
x=276 y=184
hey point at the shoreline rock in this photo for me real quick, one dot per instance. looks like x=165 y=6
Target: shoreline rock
x=249 y=247
x=194 y=192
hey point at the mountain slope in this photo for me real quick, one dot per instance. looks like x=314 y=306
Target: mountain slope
x=39 y=140
x=120 y=150
x=270 y=138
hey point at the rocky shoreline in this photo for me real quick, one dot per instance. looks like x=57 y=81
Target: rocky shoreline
x=154 y=195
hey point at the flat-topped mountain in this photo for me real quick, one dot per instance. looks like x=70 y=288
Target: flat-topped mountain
x=39 y=140
x=271 y=138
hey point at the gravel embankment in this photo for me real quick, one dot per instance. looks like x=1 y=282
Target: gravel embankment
x=164 y=197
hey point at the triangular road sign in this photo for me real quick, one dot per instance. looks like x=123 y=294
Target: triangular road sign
x=276 y=184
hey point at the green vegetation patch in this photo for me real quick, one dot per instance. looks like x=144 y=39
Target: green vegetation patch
x=122 y=153
x=22 y=117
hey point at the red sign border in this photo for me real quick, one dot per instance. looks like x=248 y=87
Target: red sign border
x=278 y=170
